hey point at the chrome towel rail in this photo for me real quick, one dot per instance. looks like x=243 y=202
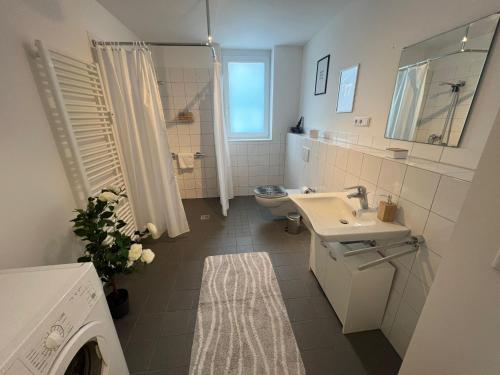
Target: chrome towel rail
x=414 y=242
x=197 y=155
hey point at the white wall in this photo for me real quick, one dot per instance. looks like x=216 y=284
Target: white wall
x=459 y=331
x=37 y=202
x=373 y=33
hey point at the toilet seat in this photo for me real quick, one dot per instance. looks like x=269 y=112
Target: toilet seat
x=276 y=199
x=270 y=191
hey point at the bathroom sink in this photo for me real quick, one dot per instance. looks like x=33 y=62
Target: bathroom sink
x=334 y=217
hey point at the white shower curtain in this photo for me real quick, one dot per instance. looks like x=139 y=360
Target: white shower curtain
x=224 y=172
x=133 y=91
x=407 y=102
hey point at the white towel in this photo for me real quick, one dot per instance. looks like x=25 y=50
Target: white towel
x=185 y=160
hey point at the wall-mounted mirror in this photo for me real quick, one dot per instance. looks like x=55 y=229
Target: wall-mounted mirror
x=436 y=83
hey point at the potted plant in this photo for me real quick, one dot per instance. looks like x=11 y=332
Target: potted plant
x=111 y=251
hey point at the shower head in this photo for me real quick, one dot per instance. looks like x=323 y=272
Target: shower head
x=455 y=86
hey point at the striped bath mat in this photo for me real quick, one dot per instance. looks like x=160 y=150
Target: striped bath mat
x=242 y=325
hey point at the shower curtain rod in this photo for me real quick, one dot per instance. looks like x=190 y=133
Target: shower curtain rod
x=208 y=43
x=96 y=43
x=164 y=44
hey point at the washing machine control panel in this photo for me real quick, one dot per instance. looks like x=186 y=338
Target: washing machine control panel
x=42 y=347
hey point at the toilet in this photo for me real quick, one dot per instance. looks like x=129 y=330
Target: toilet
x=275 y=198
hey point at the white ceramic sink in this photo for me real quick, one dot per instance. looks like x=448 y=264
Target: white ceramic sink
x=334 y=217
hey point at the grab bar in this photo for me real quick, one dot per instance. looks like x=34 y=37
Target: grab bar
x=197 y=155
x=387 y=258
x=414 y=241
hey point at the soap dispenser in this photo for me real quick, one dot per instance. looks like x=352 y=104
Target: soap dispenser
x=387 y=209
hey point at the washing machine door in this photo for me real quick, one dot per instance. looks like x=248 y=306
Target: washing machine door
x=86 y=353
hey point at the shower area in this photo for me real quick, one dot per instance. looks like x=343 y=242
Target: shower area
x=147 y=119
x=185 y=80
x=449 y=89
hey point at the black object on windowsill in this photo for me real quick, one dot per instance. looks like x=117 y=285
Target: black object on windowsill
x=299 y=128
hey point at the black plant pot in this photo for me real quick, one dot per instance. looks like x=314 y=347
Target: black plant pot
x=118 y=303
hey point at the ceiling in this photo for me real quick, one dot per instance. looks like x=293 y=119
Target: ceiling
x=235 y=23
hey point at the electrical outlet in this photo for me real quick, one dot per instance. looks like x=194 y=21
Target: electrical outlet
x=204 y=217
x=362 y=121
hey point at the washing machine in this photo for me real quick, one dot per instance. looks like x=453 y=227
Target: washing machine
x=54 y=320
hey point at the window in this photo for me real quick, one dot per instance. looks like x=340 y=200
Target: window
x=246 y=93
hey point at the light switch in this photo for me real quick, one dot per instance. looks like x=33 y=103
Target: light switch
x=496 y=261
x=305 y=153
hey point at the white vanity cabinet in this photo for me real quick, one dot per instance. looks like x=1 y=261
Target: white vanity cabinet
x=358 y=297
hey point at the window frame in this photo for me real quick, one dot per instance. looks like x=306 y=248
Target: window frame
x=248 y=56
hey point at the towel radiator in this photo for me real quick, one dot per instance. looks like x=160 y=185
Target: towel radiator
x=83 y=127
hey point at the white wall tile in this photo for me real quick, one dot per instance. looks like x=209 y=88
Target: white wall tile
x=426 y=151
x=403 y=328
x=420 y=186
x=415 y=293
x=354 y=162
x=426 y=265
x=391 y=176
x=370 y=169
x=412 y=216
x=437 y=233
x=380 y=143
x=450 y=197
x=342 y=158
x=350 y=180
x=400 y=278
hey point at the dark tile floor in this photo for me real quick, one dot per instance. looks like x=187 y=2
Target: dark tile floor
x=158 y=332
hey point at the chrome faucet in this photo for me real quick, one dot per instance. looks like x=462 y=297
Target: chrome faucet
x=360 y=193
x=309 y=190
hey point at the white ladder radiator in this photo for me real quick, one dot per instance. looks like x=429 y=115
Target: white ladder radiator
x=82 y=124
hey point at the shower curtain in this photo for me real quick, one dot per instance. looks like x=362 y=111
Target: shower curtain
x=132 y=89
x=407 y=102
x=224 y=172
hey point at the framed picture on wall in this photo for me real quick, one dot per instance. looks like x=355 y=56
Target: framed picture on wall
x=347 y=89
x=321 y=75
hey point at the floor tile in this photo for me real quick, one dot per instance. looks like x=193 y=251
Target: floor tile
x=172 y=352
x=300 y=309
x=138 y=355
x=157 y=334
x=183 y=300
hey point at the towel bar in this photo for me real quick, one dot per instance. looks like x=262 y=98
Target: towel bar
x=414 y=242
x=197 y=155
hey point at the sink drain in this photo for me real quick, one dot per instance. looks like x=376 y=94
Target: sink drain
x=343 y=221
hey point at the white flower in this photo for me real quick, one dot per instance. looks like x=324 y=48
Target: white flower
x=108 y=240
x=129 y=263
x=114 y=189
x=147 y=256
x=107 y=196
x=153 y=230
x=135 y=252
